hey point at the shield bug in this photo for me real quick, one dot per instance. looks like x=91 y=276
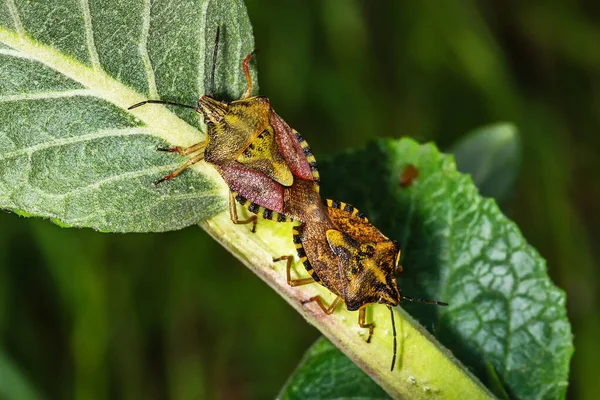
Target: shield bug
x=346 y=254
x=255 y=151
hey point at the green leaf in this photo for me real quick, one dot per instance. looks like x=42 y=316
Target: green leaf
x=70 y=150
x=326 y=373
x=13 y=383
x=492 y=155
x=494 y=383
x=459 y=248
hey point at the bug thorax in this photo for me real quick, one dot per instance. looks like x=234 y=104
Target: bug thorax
x=240 y=120
x=240 y=135
x=371 y=290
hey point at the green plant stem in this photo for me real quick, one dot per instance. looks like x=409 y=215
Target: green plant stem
x=424 y=368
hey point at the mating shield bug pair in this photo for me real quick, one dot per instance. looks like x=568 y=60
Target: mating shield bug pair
x=271 y=171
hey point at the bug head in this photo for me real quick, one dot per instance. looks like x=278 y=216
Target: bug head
x=368 y=269
x=384 y=263
x=213 y=110
x=382 y=260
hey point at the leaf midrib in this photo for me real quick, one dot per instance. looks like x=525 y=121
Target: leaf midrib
x=165 y=124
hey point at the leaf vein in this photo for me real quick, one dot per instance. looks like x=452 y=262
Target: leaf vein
x=15 y=53
x=89 y=35
x=113 y=179
x=76 y=139
x=240 y=56
x=143 y=49
x=14 y=13
x=47 y=95
x=143 y=210
x=202 y=49
x=104 y=86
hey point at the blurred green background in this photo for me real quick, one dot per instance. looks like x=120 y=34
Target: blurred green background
x=87 y=315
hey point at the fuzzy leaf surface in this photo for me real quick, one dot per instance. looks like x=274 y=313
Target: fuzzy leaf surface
x=70 y=150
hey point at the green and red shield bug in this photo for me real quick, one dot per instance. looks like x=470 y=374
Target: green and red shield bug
x=255 y=151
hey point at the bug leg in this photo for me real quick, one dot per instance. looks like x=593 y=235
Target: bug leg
x=191 y=161
x=290 y=281
x=234 y=217
x=327 y=310
x=184 y=151
x=361 y=322
x=248 y=91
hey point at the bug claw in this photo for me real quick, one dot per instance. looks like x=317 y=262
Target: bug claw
x=161 y=180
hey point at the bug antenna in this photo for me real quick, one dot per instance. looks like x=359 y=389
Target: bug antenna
x=426 y=301
x=214 y=65
x=395 y=340
x=141 y=103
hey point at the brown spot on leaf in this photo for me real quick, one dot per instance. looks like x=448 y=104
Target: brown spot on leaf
x=409 y=175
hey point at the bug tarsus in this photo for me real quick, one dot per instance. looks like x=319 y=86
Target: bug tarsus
x=161 y=180
x=288 y=268
x=362 y=316
x=327 y=310
x=169 y=149
x=193 y=160
x=234 y=216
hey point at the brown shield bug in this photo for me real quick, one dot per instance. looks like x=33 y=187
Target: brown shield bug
x=255 y=151
x=345 y=253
